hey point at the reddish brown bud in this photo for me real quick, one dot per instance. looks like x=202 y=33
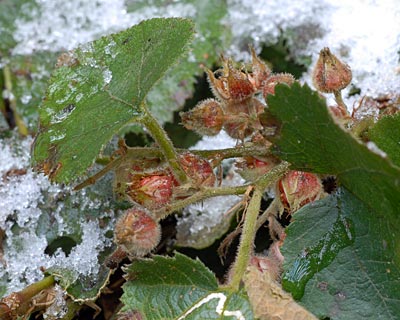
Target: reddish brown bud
x=198 y=169
x=252 y=168
x=242 y=118
x=260 y=71
x=232 y=85
x=151 y=189
x=136 y=232
x=298 y=188
x=272 y=81
x=206 y=118
x=330 y=74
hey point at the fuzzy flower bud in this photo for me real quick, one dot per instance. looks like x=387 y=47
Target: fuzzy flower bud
x=251 y=168
x=207 y=118
x=136 y=232
x=260 y=71
x=232 y=85
x=298 y=188
x=330 y=74
x=152 y=189
x=198 y=169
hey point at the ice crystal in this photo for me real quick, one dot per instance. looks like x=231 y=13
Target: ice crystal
x=28 y=204
x=57 y=25
x=58 y=308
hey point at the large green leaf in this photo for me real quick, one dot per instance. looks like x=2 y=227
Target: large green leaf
x=344 y=250
x=99 y=88
x=179 y=288
x=310 y=140
x=342 y=257
x=386 y=134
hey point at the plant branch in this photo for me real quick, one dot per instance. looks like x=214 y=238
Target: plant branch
x=202 y=194
x=19 y=302
x=250 y=224
x=220 y=154
x=165 y=144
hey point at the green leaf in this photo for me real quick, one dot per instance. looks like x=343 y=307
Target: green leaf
x=98 y=89
x=344 y=259
x=386 y=134
x=310 y=140
x=344 y=250
x=177 y=86
x=179 y=288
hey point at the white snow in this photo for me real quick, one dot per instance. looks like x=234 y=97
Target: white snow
x=22 y=197
x=363 y=33
x=58 y=25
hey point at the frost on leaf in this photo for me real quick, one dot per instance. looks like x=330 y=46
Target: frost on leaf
x=96 y=94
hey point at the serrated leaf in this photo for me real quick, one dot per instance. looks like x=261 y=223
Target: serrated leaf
x=386 y=135
x=98 y=89
x=355 y=276
x=344 y=250
x=179 y=288
x=310 y=140
x=177 y=86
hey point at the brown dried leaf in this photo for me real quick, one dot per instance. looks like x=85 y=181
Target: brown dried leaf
x=269 y=300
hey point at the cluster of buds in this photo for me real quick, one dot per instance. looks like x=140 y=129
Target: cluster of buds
x=235 y=107
x=155 y=186
x=297 y=188
x=150 y=185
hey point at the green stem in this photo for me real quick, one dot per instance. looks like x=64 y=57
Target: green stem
x=339 y=99
x=22 y=129
x=247 y=239
x=91 y=180
x=19 y=302
x=147 y=152
x=250 y=224
x=203 y=194
x=166 y=146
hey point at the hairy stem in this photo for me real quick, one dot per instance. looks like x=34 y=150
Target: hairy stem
x=250 y=224
x=19 y=302
x=339 y=99
x=241 y=151
x=166 y=146
x=203 y=194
